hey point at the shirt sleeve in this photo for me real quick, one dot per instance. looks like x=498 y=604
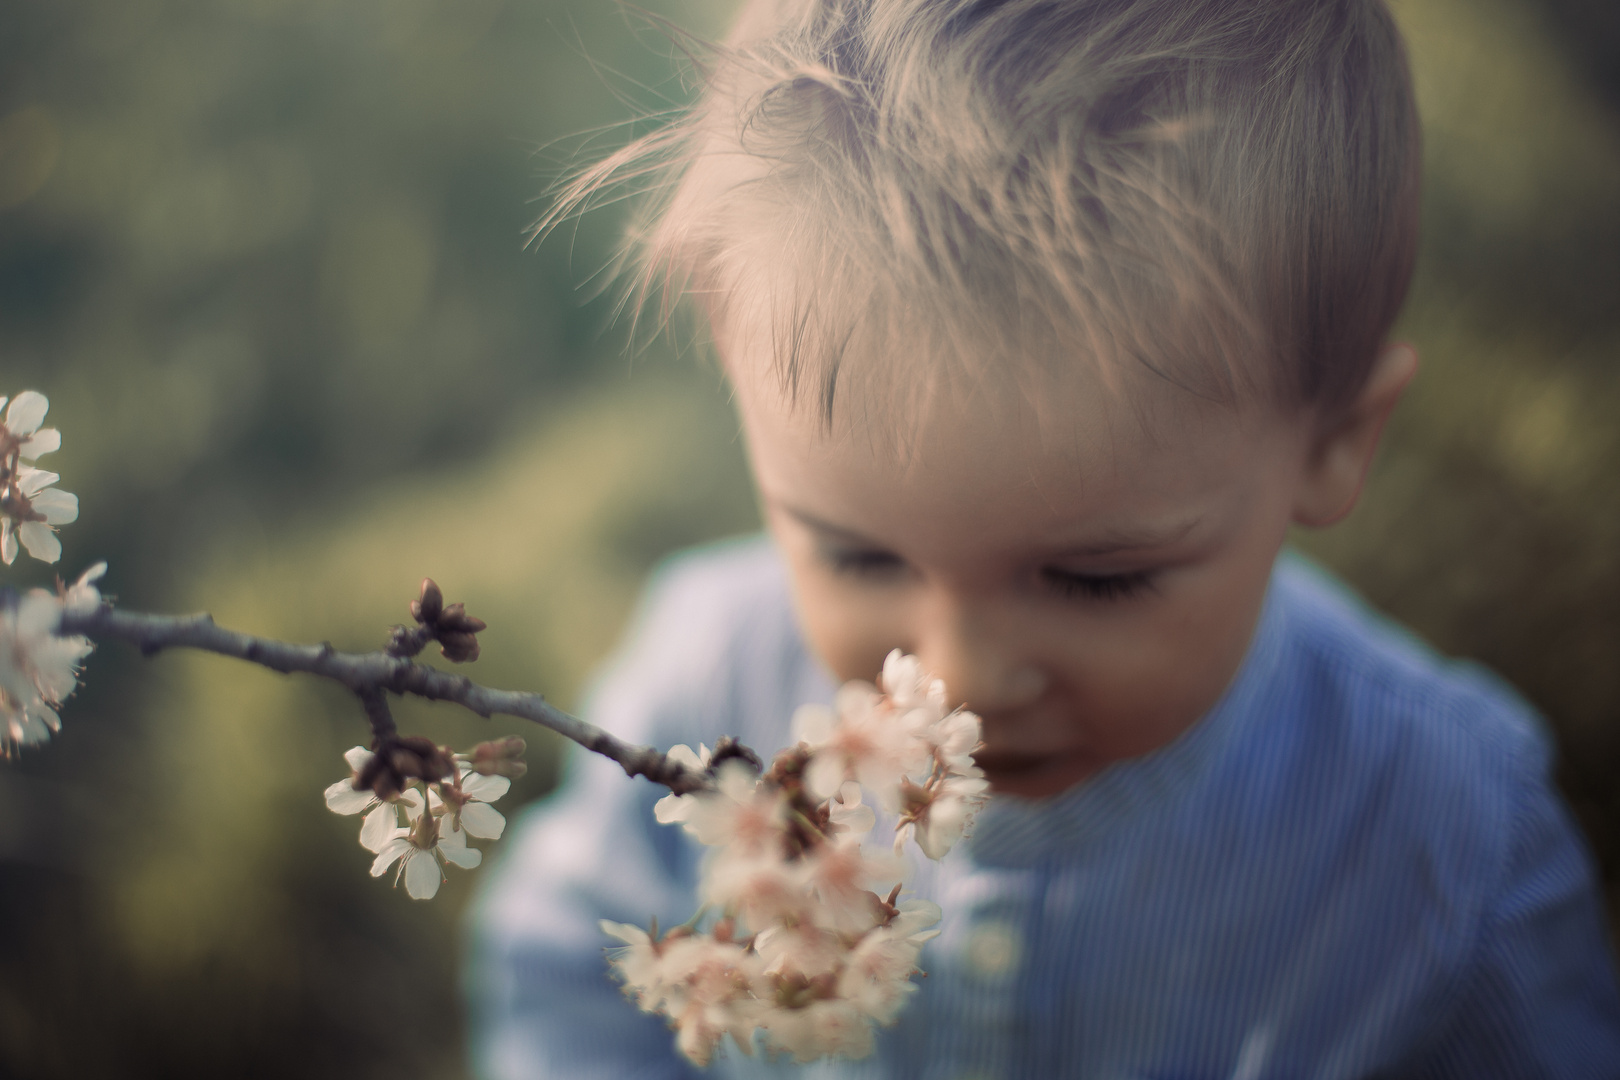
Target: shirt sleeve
x=1540 y=999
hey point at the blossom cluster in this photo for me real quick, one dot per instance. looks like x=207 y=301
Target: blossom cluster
x=424 y=825
x=30 y=508
x=38 y=667
x=811 y=946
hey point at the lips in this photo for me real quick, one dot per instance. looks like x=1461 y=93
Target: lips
x=1034 y=774
x=1014 y=762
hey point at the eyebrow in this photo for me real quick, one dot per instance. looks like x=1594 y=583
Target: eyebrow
x=1110 y=542
x=848 y=535
x=1114 y=541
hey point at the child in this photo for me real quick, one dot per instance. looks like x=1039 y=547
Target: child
x=1046 y=319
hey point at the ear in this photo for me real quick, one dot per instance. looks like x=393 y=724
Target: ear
x=1342 y=448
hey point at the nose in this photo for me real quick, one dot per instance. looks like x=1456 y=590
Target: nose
x=983 y=663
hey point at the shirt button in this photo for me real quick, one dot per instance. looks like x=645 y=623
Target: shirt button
x=994 y=950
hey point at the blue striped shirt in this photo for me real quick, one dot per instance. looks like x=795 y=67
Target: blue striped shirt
x=1353 y=866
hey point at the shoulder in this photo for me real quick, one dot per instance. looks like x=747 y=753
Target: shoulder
x=1436 y=762
x=1378 y=683
x=713 y=648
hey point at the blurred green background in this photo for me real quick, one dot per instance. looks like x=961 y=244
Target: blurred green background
x=266 y=257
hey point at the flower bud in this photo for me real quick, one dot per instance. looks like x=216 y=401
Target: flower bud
x=728 y=748
x=499 y=757
x=400 y=759
x=458 y=648
x=427 y=609
x=454 y=619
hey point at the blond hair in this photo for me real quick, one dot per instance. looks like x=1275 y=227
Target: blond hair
x=1221 y=192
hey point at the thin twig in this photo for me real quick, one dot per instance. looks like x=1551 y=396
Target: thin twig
x=370 y=673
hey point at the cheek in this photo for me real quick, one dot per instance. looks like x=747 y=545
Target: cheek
x=850 y=627
x=1154 y=675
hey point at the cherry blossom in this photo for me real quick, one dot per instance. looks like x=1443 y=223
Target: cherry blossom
x=847 y=815
x=877 y=975
x=939 y=814
x=672 y=808
x=862 y=738
x=737 y=815
x=909 y=686
x=421 y=849
x=702 y=982
x=637 y=961
x=381 y=819
x=39 y=669
x=819 y=1028
x=467 y=802
x=844 y=879
x=83 y=597
x=706 y=985
x=30 y=510
x=806 y=954
x=439 y=817
x=21 y=426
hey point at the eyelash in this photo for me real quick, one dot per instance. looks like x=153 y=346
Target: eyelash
x=860 y=563
x=1103 y=587
x=1099 y=587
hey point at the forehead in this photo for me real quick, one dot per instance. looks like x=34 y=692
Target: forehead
x=991 y=464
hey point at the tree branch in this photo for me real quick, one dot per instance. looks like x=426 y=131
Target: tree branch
x=370 y=673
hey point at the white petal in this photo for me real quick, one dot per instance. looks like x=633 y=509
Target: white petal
x=341 y=798
x=41 y=443
x=915 y=914
x=411 y=799
x=825 y=775
x=391 y=851
x=27 y=729
x=82 y=597
x=59 y=507
x=483 y=821
x=357 y=757
x=467 y=857
x=33 y=481
x=2 y=401
x=630 y=935
x=422 y=875
x=859 y=821
x=41 y=543
x=813 y=724
x=27 y=412
x=685 y=756
x=736 y=781
x=485 y=788
x=896 y=672
x=8 y=542
x=379 y=827
x=672 y=808
x=453 y=846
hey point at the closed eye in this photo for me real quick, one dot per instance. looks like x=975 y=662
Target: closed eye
x=860 y=562
x=1071 y=585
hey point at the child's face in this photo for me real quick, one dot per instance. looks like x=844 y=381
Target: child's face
x=1090 y=591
